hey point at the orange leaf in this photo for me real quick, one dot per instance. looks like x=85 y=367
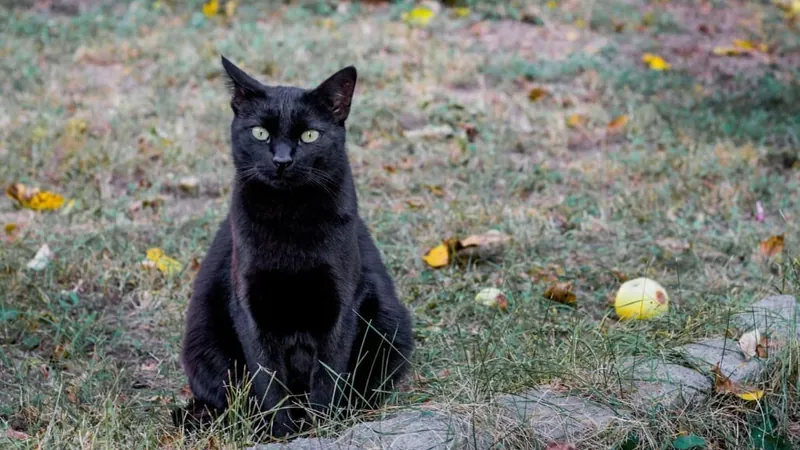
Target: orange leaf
x=576 y=120
x=771 y=247
x=616 y=125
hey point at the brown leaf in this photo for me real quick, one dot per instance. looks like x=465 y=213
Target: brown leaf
x=561 y=293
x=722 y=384
x=487 y=245
x=389 y=168
x=771 y=247
x=16 y=435
x=537 y=94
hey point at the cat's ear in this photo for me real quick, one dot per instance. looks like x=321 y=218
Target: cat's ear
x=336 y=93
x=242 y=86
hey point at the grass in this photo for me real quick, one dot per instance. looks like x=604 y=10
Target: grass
x=113 y=109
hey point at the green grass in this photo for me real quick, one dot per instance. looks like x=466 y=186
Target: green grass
x=89 y=346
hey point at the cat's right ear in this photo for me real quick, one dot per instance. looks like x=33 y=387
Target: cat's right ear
x=242 y=86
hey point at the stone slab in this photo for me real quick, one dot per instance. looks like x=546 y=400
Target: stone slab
x=777 y=316
x=707 y=353
x=409 y=430
x=552 y=416
x=651 y=382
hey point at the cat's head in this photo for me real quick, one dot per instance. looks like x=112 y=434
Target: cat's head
x=288 y=137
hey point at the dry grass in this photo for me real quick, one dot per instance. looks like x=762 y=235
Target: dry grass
x=88 y=347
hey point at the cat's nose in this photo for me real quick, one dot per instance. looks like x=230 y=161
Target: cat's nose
x=282 y=161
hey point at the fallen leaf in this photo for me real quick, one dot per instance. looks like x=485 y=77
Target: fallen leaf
x=435 y=189
x=389 y=168
x=655 y=62
x=34 y=199
x=41 y=259
x=763 y=347
x=438 y=256
x=749 y=45
x=552 y=4
x=10 y=228
x=476 y=247
x=537 y=94
x=487 y=245
x=576 y=120
x=166 y=265
x=751 y=396
x=211 y=8
x=561 y=293
x=748 y=343
x=16 y=435
x=724 y=385
x=430 y=132
x=771 y=247
x=493 y=298
x=415 y=203
x=616 y=125
x=419 y=16
x=230 y=8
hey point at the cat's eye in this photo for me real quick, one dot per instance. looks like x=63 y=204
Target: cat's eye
x=260 y=133
x=309 y=136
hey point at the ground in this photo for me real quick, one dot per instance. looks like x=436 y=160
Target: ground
x=121 y=108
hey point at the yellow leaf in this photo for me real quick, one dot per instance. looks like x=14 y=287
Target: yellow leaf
x=420 y=16
x=617 y=124
x=435 y=190
x=744 y=44
x=230 y=8
x=751 y=396
x=44 y=201
x=438 y=256
x=34 y=199
x=162 y=262
x=561 y=293
x=10 y=228
x=552 y=4
x=211 y=8
x=461 y=12
x=576 y=120
x=771 y=247
x=655 y=62
x=537 y=94
x=580 y=23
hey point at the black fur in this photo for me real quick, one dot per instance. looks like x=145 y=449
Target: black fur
x=293 y=281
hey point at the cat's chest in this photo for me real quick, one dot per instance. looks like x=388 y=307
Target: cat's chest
x=287 y=301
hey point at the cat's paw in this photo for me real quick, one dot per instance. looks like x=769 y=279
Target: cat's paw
x=195 y=416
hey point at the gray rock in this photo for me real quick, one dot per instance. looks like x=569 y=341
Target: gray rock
x=408 y=430
x=707 y=353
x=775 y=316
x=652 y=381
x=552 y=416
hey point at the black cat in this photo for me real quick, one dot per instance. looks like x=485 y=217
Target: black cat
x=293 y=292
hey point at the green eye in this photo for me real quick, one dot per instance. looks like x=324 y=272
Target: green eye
x=260 y=133
x=309 y=136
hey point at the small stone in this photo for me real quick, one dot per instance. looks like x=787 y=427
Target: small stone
x=777 y=316
x=707 y=353
x=556 y=417
x=651 y=381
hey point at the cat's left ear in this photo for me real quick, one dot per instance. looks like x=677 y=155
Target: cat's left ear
x=336 y=93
